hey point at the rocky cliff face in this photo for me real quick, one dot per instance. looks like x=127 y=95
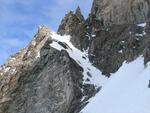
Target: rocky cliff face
x=41 y=78
x=121 y=11
x=122 y=36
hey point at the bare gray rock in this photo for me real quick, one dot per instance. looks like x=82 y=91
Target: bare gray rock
x=79 y=14
x=121 y=11
x=42 y=80
x=117 y=40
x=70 y=22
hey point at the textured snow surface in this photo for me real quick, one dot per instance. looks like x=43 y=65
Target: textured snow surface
x=91 y=74
x=126 y=91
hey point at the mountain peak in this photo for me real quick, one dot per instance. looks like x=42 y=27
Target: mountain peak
x=79 y=14
x=59 y=74
x=43 y=30
x=78 y=10
x=70 y=22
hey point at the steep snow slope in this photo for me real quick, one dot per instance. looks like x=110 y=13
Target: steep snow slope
x=91 y=74
x=126 y=91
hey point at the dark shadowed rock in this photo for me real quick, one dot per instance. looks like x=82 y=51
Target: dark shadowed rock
x=149 y=84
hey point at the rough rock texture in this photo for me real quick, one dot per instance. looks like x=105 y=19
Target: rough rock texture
x=70 y=22
x=41 y=79
x=45 y=82
x=121 y=11
x=121 y=39
x=111 y=48
x=115 y=43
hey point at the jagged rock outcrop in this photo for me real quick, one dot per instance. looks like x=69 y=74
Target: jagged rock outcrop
x=79 y=14
x=40 y=79
x=70 y=22
x=111 y=33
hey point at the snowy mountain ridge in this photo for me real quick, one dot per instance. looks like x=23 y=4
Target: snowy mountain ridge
x=100 y=64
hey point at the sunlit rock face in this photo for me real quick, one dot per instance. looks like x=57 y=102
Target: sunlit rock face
x=121 y=11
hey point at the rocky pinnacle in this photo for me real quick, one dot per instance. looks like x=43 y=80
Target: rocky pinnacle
x=70 y=22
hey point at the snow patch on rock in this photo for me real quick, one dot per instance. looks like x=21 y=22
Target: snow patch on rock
x=141 y=24
x=91 y=74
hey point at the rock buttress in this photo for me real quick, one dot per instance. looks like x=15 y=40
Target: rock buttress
x=40 y=79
